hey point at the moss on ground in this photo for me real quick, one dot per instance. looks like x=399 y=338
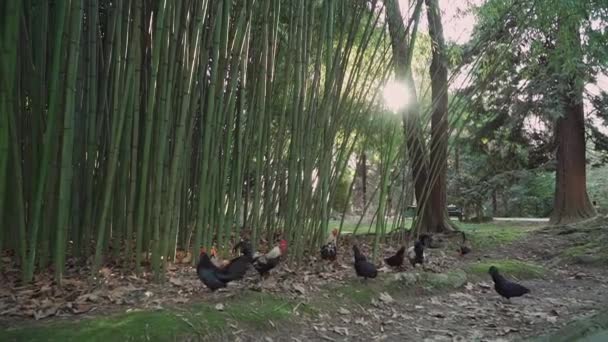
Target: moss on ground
x=512 y=268
x=590 y=329
x=485 y=235
x=588 y=253
x=198 y=321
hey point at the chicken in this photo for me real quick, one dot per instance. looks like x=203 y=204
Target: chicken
x=363 y=267
x=505 y=288
x=329 y=251
x=236 y=268
x=215 y=277
x=263 y=263
x=208 y=272
x=415 y=254
x=397 y=259
x=464 y=247
x=216 y=261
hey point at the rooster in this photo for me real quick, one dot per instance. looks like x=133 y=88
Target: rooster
x=415 y=254
x=263 y=263
x=363 y=267
x=505 y=288
x=397 y=259
x=329 y=251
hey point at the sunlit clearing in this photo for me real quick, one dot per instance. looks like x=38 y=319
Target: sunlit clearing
x=395 y=95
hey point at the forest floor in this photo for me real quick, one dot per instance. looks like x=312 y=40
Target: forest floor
x=450 y=299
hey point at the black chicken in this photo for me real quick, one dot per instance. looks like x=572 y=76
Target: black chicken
x=505 y=288
x=415 y=254
x=237 y=267
x=397 y=259
x=363 y=267
x=464 y=248
x=208 y=272
x=329 y=251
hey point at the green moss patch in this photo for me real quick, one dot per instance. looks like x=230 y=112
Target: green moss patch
x=591 y=329
x=486 y=235
x=252 y=309
x=511 y=268
x=591 y=253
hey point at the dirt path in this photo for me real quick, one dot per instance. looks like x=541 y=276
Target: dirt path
x=474 y=312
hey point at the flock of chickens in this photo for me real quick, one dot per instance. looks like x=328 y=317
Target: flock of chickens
x=216 y=274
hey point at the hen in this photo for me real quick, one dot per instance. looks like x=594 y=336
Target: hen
x=215 y=260
x=263 y=263
x=236 y=268
x=329 y=251
x=415 y=254
x=505 y=288
x=363 y=267
x=397 y=259
x=208 y=272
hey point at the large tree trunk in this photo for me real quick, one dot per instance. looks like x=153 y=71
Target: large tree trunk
x=416 y=147
x=440 y=221
x=571 y=202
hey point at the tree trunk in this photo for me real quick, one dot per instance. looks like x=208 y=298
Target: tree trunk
x=416 y=148
x=363 y=172
x=494 y=204
x=440 y=221
x=571 y=202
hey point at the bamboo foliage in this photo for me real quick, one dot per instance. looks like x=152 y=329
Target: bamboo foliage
x=156 y=125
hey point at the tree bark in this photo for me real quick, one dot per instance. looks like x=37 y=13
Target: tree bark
x=426 y=219
x=571 y=202
x=440 y=221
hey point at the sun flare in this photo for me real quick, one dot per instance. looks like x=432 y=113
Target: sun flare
x=395 y=95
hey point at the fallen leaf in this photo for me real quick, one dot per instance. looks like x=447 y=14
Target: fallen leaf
x=176 y=281
x=105 y=272
x=343 y=311
x=299 y=288
x=386 y=298
x=341 y=331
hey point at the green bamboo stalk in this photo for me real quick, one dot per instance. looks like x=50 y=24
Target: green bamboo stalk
x=149 y=117
x=60 y=14
x=68 y=140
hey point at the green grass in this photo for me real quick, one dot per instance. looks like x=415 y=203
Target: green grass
x=591 y=253
x=512 y=268
x=255 y=310
x=484 y=235
x=589 y=329
x=364 y=228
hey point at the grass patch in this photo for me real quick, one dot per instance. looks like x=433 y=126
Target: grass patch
x=512 y=268
x=201 y=320
x=591 y=253
x=364 y=228
x=490 y=234
x=357 y=291
x=590 y=329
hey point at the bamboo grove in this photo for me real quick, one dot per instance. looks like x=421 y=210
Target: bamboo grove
x=131 y=128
